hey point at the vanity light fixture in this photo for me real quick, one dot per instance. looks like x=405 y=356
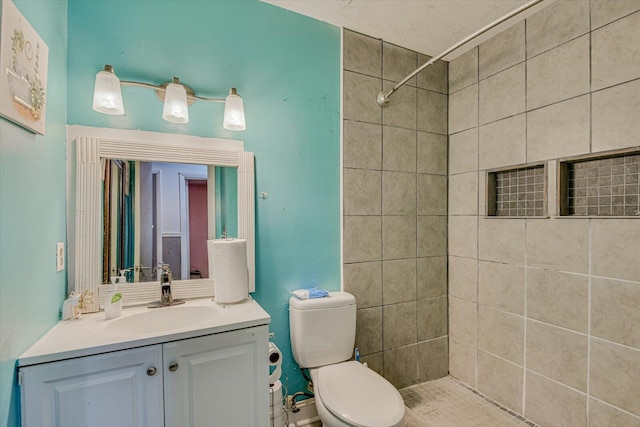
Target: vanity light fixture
x=107 y=99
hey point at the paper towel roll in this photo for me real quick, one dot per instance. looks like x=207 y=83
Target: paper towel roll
x=228 y=269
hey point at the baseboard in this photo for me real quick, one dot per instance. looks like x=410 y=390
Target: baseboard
x=306 y=416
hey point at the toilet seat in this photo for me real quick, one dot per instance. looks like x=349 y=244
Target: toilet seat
x=358 y=396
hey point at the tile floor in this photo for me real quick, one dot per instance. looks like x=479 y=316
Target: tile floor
x=449 y=403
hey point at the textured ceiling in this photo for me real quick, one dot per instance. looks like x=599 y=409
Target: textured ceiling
x=426 y=26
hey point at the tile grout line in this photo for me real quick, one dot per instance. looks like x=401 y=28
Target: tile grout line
x=477 y=220
x=615 y=407
x=589 y=302
x=590 y=223
x=382 y=139
x=415 y=263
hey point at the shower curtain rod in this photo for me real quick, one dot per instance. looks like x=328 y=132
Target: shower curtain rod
x=383 y=97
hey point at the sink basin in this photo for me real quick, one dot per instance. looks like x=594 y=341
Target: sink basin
x=162 y=319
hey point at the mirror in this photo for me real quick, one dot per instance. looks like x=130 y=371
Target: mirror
x=157 y=213
x=229 y=169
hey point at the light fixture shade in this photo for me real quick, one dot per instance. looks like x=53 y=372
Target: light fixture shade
x=107 y=94
x=234 y=111
x=175 y=108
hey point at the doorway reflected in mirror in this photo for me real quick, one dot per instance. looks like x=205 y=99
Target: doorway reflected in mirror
x=155 y=212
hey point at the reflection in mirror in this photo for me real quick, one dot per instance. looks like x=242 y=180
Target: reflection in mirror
x=155 y=212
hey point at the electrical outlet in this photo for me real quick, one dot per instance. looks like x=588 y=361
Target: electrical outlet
x=60 y=256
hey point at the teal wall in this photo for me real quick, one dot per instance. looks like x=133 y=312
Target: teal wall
x=287 y=69
x=32 y=211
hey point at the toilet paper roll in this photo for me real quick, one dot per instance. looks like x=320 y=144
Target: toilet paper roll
x=275 y=398
x=228 y=269
x=275 y=355
x=275 y=359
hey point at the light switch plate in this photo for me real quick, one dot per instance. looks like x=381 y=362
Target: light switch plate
x=60 y=256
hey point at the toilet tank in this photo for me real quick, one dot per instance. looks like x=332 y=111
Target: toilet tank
x=323 y=330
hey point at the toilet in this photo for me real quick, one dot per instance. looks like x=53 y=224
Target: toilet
x=347 y=393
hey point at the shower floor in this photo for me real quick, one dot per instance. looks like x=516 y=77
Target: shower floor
x=449 y=403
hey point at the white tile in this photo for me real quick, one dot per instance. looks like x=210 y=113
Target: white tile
x=463 y=151
x=401 y=111
x=615 y=117
x=463 y=232
x=431 y=111
x=557 y=354
x=556 y=24
x=560 y=244
x=615 y=313
x=463 y=109
x=463 y=190
x=358 y=90
x=615 y=52
x=560 y=299
x=501 y=240
x=558 y=74
x=435 y=77
x=501 y=333
x=559 y=130
x=501 y=286
x=362 y=54
x=463 y=278
x=502 y=51
x=551 y=404
x=398 y=62
x=432 y=194
x=605 y=11
x=615 y=249
x=500 y=380
x=462 y=361
x=432 y=153
x=463 y=319
x=502 y=95
x=463 y=71
x=503 y=143
x=615 y=375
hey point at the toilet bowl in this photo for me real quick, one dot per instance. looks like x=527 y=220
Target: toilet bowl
x=347 y=393
x=350 y=394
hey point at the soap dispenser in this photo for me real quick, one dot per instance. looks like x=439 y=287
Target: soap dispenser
x=123 y=276
x=112 y=303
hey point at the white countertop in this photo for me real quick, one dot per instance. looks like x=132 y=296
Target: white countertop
x=92 y=334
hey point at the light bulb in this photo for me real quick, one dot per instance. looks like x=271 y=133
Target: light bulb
x=107 y=94
x=234 y=111
x=175 y=108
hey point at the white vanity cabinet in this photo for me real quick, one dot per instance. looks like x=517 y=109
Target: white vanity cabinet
x=111 y=389
x=212 y=380
x=217 y=380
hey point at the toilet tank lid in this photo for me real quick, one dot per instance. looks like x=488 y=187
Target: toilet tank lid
x=334 y=299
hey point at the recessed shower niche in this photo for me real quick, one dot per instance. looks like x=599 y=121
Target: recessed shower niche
x=600 y=185
x=517 y=192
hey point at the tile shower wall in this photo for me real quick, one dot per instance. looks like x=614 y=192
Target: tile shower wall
x=544 y=312
x=395 y=209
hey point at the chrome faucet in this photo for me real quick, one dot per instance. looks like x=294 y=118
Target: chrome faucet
x=165 y=285
x=166 y=298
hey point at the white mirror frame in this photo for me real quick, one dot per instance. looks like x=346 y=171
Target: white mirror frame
x=93 y=144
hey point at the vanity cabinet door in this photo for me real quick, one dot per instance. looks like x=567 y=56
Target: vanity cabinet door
x=113 y=389
x=218 y=380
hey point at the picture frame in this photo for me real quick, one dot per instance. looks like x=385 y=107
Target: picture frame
x=24 y=58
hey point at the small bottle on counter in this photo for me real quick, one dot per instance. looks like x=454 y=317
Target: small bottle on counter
x=70 y=307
